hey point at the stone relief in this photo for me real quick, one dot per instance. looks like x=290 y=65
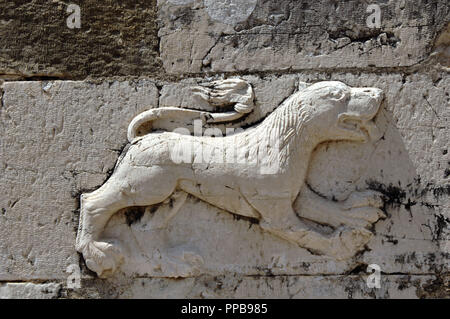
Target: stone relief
x=209 y=97
x=258 y=172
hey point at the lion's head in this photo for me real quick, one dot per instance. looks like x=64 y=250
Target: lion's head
x=340 y=112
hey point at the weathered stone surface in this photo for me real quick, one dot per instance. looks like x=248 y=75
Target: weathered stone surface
x=236 y=286
x=197 y=36
x=442 y=48
x=64 y=138
x=30 y=291
x=59 y=138
x=115 y=38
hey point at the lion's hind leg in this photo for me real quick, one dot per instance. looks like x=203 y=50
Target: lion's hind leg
x=167 y=210
x=128 y=186
x=95 y=211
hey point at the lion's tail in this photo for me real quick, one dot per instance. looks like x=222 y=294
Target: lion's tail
x=144 y=117
x=216 y=94
x=180 y=115
x=152 y=115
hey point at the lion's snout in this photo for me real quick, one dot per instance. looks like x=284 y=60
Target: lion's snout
x=365 y=102
x=368 y=101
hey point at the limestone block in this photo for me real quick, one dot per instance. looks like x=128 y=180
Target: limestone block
x=29 y=291
x=63 y=138
x=294 y=287
x=248 y=36
x=113 y=39
x=58 y=138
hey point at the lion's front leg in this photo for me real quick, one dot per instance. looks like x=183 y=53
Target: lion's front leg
x=360 y=210
x=350 y=219
x=278 y=217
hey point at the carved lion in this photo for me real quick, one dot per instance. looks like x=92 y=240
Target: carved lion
x=234 y=175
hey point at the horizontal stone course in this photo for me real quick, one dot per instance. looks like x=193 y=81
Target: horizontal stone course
x=288 y=35
x=115 y=38
x=63 y=138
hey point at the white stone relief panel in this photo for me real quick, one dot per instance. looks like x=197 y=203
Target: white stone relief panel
x=264 y=186
x=412 y=239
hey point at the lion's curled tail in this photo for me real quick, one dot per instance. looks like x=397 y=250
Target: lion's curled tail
x=217 y=94
x=159 y=113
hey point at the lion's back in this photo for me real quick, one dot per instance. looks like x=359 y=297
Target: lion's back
x=153 y=149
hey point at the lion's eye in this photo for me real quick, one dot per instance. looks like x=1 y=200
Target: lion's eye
x=338 y=95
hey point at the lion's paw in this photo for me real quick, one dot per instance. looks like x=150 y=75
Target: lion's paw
x=102 y=257
x=363 y=199
x=348 y=241
x=362 y=209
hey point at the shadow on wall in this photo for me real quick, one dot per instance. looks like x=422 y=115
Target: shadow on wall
x=338 y=169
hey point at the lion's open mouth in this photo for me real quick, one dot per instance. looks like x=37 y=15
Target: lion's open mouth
x=352 y=124
x=362 y=129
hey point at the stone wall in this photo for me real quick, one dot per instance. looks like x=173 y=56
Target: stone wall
x=67 y=96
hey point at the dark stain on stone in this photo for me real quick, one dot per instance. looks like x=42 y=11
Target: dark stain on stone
x=400 y=259
x=409 y=204
x=396 y=196
x=437 y=287
x=447 y=172
x=267 y=271
x=251 y=220
x=442 y=223
x=134 y=214
x=441 y=191
x=393 y=196
x=404 y=283
x=391 y=239
x=1 y=97
x=359 y=269
x=427 y=205
x=365 y=35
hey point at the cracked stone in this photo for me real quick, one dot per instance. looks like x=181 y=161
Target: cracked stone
x=286 y=35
